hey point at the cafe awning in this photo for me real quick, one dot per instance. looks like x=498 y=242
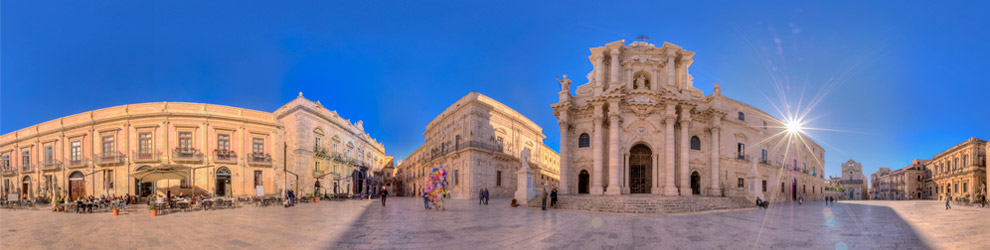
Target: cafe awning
x=163 y=172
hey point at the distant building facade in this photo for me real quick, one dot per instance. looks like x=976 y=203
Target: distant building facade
x=853 y=182
x=907 y=183
x=478 y=140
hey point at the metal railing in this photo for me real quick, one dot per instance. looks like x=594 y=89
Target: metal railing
x=50 y=165
x=27 y=168
x=8 y=171
x=108 y=158
x=79 y=162
x=187 y=154
x=742 y=157
x=225 y=157
x=152 y=156
x=766 y=162
x=259 y=159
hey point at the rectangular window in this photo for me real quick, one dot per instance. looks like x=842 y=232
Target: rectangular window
x=185 y=141
x=498 y=144
x=144 y=145
x=49 y=154
x=764 y=185
x=781 y=187
x=334 y=147
x=258 y=146
x=223 y=142
x=257 y=178
x=964 y=187
x=763 y=156
x=457 y=178
x=741 y=149
x=6 y=162
x=741 y=181
x=26 y=158
x=75 y=154
x=183 y=183
x=498 y=178
x=317 y=166
x=316 y=145
x=108 y=147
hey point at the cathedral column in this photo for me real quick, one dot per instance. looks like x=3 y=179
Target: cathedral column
x=614 y=188
x=600 y=70
x=596 y=175
x=668 y=186
x=670 y=69
x=716 y=189
x=614 y=77
x=655 y=173
x=685 y=184
x=565 y=153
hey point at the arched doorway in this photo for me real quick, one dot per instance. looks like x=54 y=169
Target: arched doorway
x=77 y=185
x=143 y=189
x=583 y=179
x=223 y=181
x=640 y=163
x=26 y=187
x=695 y=183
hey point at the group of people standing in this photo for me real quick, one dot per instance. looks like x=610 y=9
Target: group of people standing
x=553 y=198
x=483 y=196
x=829 y=200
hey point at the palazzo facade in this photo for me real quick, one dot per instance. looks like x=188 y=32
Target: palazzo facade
x=479 y=141
x=960 y=171
x=640 y=126
x=229 y=151
x=907 y=183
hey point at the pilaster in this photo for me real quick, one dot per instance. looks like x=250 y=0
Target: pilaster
x=596 y=175
x=614 y=188
x=669 y=119
x=685 y=122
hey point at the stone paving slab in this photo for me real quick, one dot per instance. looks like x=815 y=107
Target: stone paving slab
x=405 y=224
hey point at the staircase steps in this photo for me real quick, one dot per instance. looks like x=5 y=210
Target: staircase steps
x=646 y=204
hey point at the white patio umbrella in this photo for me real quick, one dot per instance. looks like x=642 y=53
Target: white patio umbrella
x=163 y=172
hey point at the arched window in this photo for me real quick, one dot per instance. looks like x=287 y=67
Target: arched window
x=695 y=143
x=584 y=141
x=742 y=117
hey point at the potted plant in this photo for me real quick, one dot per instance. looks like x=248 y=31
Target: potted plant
x=153 y=207
x=514 y=204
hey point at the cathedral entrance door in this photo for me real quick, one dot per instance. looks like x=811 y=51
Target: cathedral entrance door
x=640 y=163
x=583 y=182
x=695 y=183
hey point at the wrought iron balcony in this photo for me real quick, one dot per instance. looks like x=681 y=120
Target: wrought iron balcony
x=8 y=171
x=107 y=158
x=338 y=157
x=259 y=159
x=187 y=155
x=742 y=157
x=78 y=162
x=766 y=162
x=228 y=157
x=147 y=156
x=27 y=168
x=50 y=165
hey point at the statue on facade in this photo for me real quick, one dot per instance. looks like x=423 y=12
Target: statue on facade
x=565 y=84
x=718 y=91
x=641 y=82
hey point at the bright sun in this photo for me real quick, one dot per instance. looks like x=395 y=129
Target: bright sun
x=793 y=127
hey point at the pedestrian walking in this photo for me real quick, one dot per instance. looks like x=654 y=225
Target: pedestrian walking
x=426 y=200
x=481 y=196
x=553 y=198
x=486 y=196
x=544 y=198
x=947 y=198
x=316 y=188
x=384 y=195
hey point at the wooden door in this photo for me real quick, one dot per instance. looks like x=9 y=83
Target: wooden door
x=77 y=188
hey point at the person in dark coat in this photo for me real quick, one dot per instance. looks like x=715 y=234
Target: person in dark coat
x=553 y=198
x=947 y=198
x=384 y=194
x=487 y=195
x=481 y=196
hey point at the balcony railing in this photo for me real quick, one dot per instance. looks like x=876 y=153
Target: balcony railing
x=107 y=158
x=8 y=171
x=259 y=159
x=50 y=165
x=742 y=157
x=27 y=168
x=225 y=157
x=78 y=162
x=338 y=157
x=766 y=162
x=187 y=155
x=146 y=156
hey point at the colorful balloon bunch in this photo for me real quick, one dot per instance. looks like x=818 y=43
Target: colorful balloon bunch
x=435 y=187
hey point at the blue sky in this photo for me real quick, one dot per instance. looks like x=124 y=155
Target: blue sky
x=907 y=79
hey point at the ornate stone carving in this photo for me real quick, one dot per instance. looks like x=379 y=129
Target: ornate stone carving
x=642 y=99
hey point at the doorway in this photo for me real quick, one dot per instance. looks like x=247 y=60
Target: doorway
x=77 y=185
x=639 y=169
x=695 y=183
x=143 y=189
x=583 y=179
x=26 y=188
x=223 y=181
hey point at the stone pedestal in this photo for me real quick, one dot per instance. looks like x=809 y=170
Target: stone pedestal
x=524 y=185
x=754 y=184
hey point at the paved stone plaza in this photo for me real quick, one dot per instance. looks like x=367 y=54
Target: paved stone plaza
x=404 y=224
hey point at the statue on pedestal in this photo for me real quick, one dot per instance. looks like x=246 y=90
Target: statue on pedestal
x=565 y=84
x=718 y=90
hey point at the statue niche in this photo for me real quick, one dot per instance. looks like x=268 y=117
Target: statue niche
x=641 y=80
